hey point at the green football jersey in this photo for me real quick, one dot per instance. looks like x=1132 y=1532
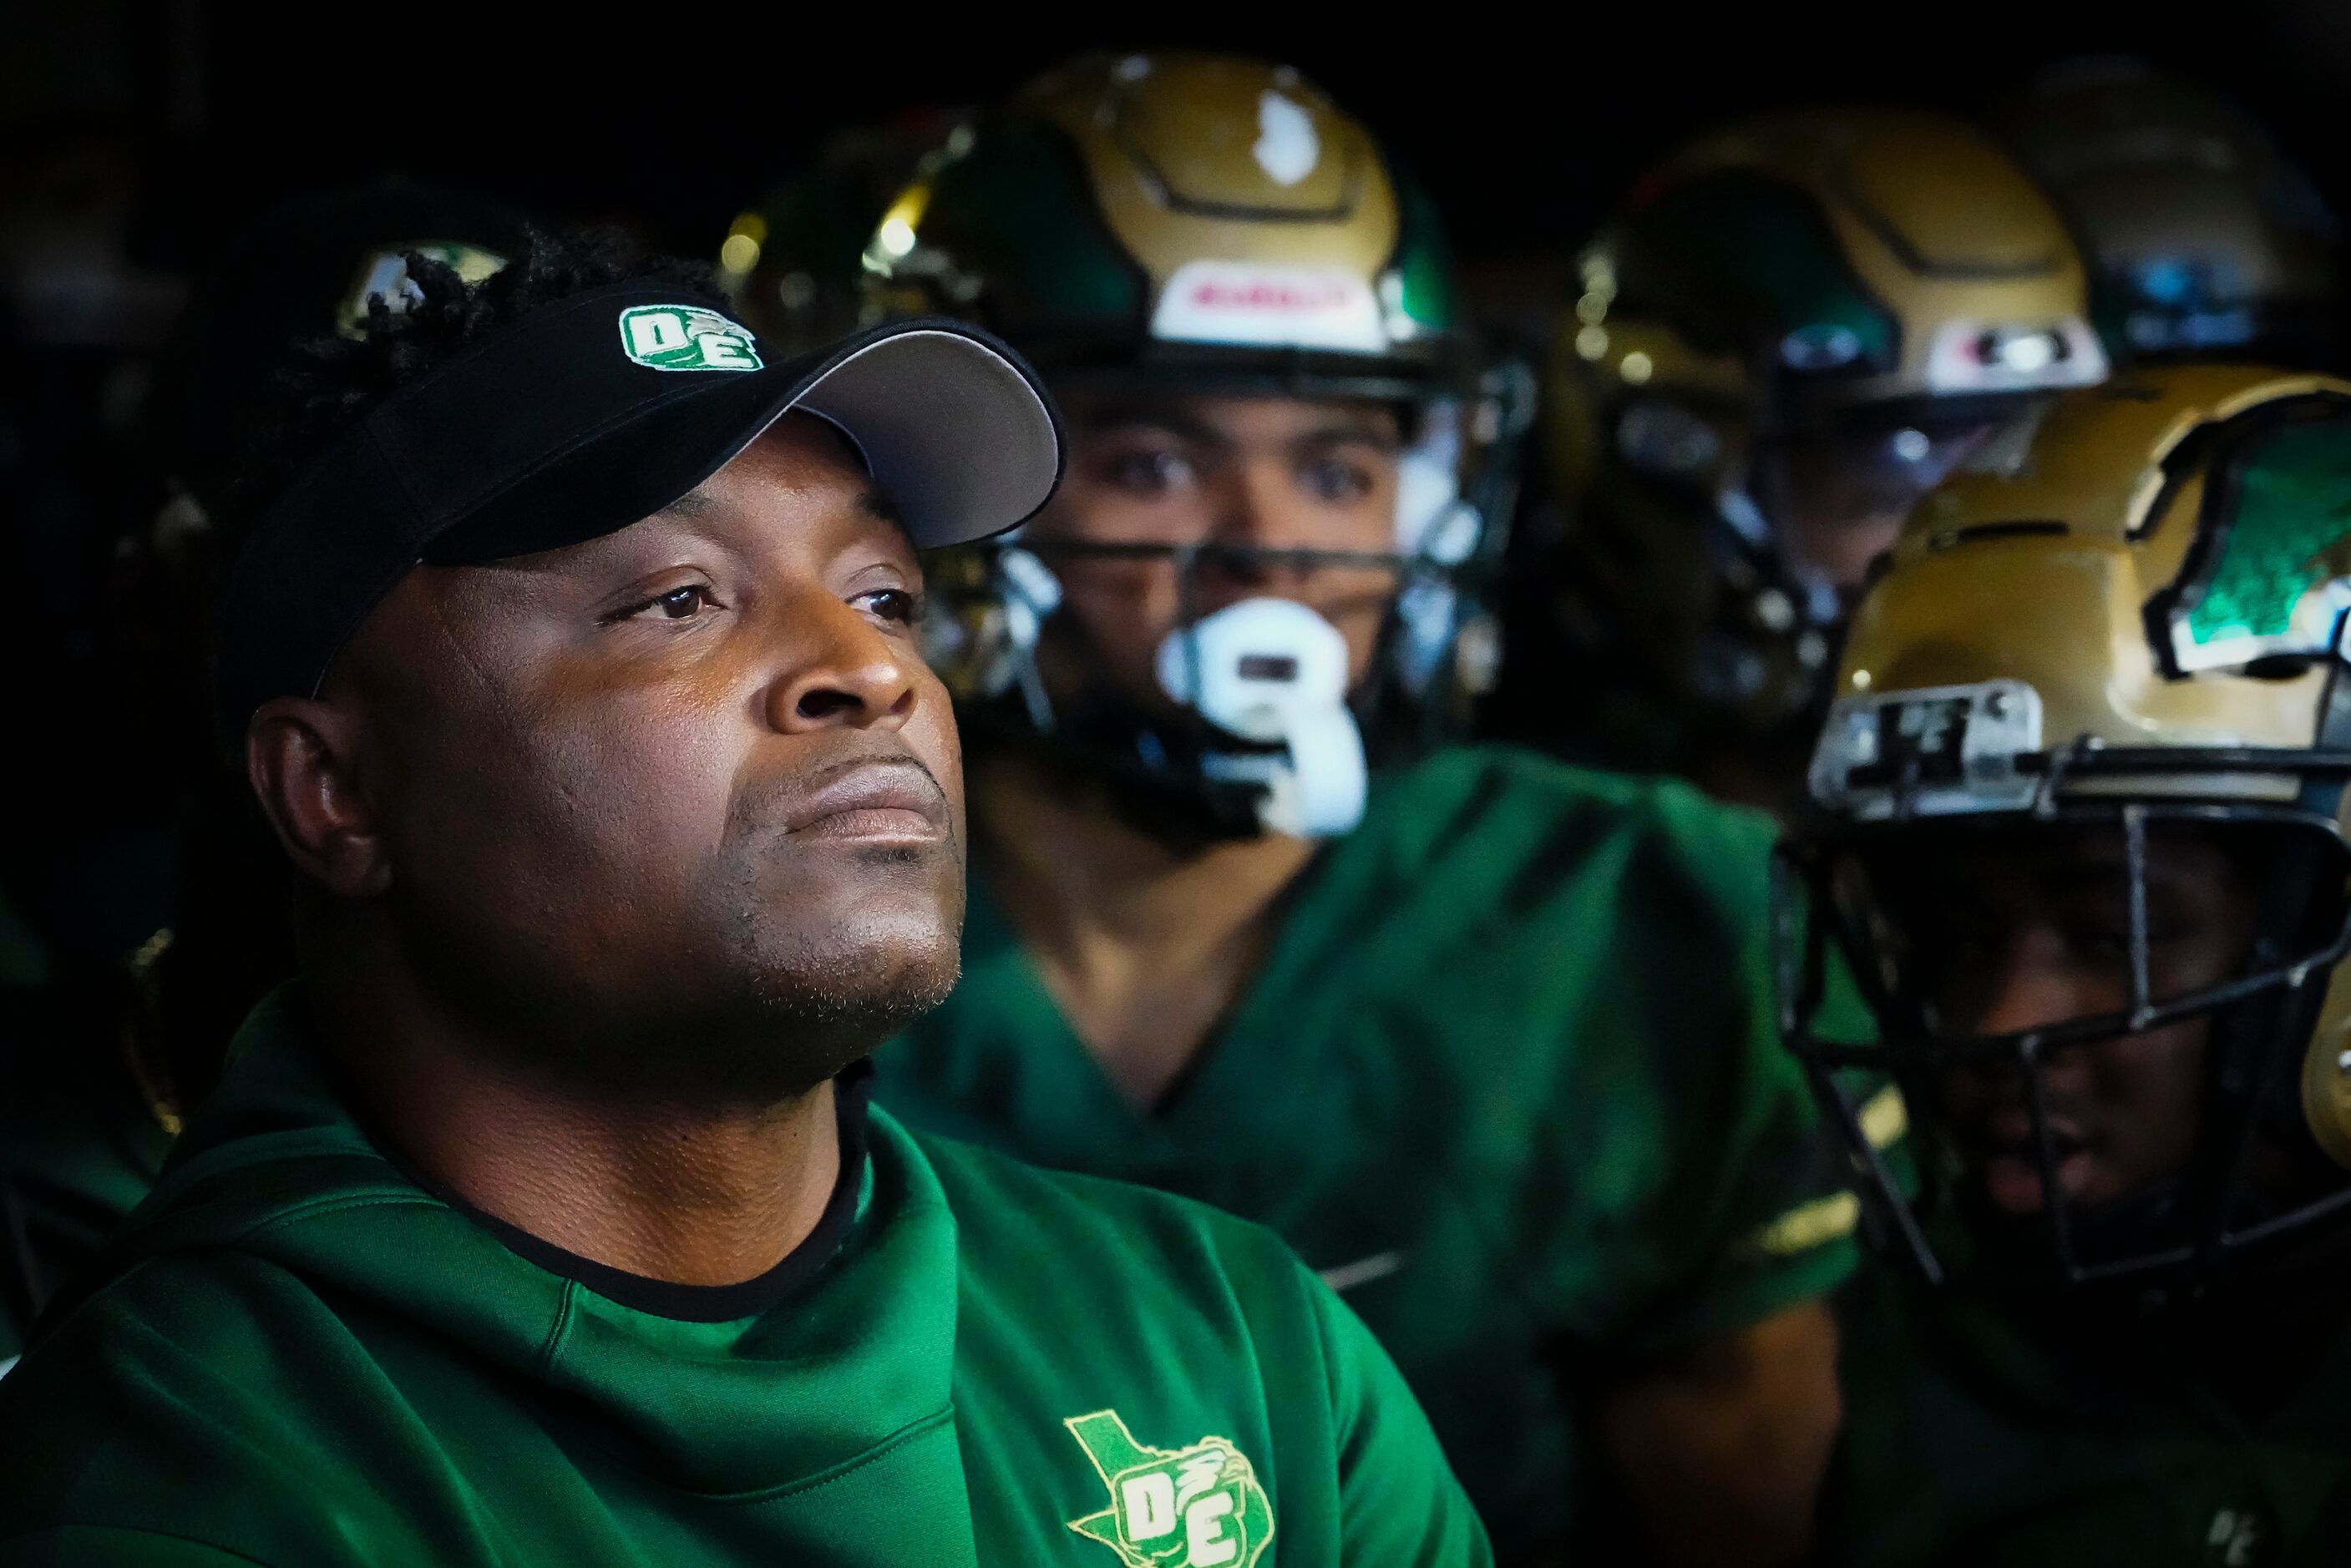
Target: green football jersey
x=295 y=1354
x=1977 y=1434
x=1509 y=1079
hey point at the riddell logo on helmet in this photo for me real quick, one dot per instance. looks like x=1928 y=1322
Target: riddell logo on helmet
x=1263 y=305
x=1266 y=294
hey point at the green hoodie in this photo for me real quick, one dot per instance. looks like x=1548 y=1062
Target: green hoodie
x=294 y=1355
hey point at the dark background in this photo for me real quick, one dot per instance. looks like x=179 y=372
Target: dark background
x=1524 y=121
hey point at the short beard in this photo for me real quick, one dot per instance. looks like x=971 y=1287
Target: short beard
x=832 y=1016
x=759 y=1030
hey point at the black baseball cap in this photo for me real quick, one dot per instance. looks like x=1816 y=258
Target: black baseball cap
x=597 y=410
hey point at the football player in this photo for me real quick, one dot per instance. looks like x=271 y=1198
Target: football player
x=2080 y=836
x=1481 y=1034
x=1790 y=330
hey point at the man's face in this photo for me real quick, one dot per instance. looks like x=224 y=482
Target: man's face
x=2027 y=931
x=691 y=781
x=1175 y=469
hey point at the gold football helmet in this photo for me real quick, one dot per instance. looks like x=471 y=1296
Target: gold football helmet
x=1216 y=224
x=2128 y=618
x=1789 y=332
x=1183 y=213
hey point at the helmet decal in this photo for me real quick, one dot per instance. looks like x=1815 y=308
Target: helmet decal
x=1932 y=752
x=2276 y=576
x=1287 y=148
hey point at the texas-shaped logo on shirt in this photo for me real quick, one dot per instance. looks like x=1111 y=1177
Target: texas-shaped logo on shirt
x=1195 y=1507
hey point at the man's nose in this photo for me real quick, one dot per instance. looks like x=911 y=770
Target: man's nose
x=2028 y=987
x=1256 y=509
x=836 y=669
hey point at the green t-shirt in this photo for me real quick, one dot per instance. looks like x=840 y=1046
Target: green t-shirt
x=1979 y=1437
x=293 y=1355
x=1509 y=1078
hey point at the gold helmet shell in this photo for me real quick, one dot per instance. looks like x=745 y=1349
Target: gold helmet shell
x=1174 y=210
x=1824 y=259
x=1886 y=278
x=2067 y=574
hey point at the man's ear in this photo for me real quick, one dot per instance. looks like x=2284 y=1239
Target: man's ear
x=304 y=758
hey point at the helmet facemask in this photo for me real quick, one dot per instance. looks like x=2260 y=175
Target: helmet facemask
x=2248 y=1175
x=1251 y=723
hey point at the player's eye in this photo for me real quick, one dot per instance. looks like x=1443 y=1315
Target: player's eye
x=1147 y=472
x=1336 y=479
x=2101 y=944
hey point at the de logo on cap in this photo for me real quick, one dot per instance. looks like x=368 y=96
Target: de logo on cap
x=687 y=338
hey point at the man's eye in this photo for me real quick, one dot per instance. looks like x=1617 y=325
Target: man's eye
x=1148 y=473
x=1331 y=479
x=2104 y=944
x=1967 y=945
x=896 y=604
x=677 y=604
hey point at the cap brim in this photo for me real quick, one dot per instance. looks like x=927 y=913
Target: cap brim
x=551 y=433
x=953 y=428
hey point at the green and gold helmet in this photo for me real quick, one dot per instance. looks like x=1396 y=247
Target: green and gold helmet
x=2127 y=620
x=1182 y=214
x=1216 y=225
x=1786 y=335
x=2202 y=239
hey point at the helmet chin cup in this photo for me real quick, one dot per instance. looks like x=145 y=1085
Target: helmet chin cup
x=1321 y=794
x=1272 y=672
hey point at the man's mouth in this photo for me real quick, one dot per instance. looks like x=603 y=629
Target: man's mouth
x=880 y=802
x=2012 y=1161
